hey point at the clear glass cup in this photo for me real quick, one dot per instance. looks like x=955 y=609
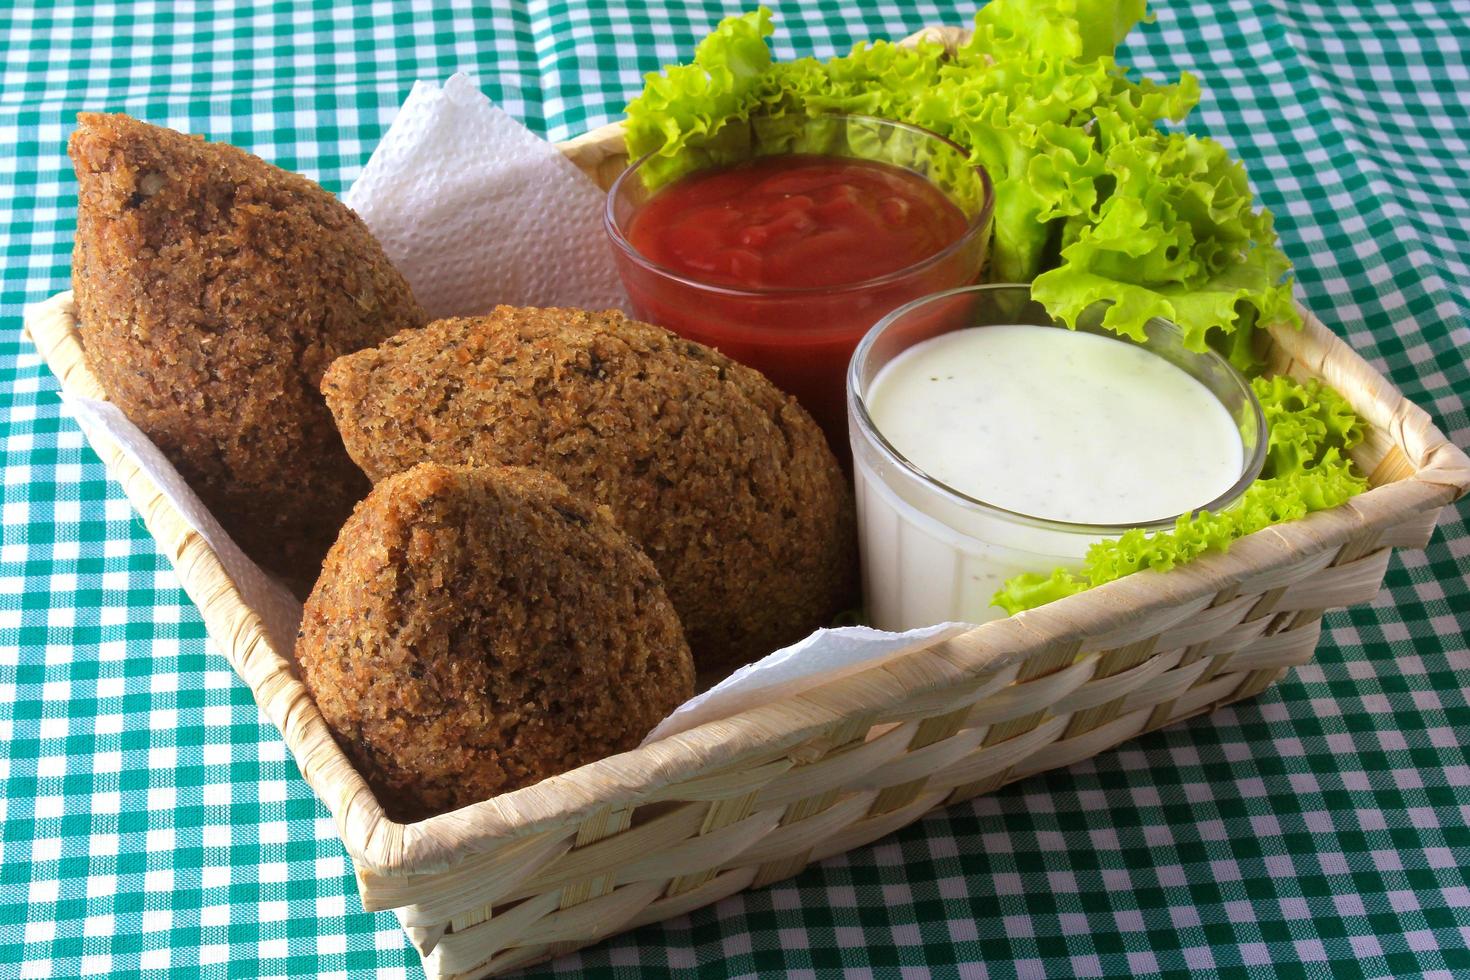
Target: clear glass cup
x=931 y=553
x=802 y=338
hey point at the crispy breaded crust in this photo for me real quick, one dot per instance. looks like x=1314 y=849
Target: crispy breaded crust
x=725 y=481
x=212 y=291
x=478 y=629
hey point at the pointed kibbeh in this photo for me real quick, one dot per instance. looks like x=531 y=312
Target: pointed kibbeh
x=476 y=630
x=212 y=291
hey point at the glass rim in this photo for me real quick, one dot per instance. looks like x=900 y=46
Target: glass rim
x=975 y=225
x=1254 y=459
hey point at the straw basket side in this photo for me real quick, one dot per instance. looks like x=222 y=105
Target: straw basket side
x=749 y=800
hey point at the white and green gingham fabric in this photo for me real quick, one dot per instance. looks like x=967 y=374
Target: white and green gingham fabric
x=154 y=824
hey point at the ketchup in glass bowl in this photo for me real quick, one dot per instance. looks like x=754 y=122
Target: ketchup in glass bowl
x=783 y=257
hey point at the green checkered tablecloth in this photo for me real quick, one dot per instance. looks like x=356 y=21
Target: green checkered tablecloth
x=153 y=821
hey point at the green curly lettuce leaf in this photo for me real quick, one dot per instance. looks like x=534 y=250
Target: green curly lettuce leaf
x=1304 y=421
x=1018 y=118
x=877 y=78
x=684 y=112
x=1311 y=428
x=1081 y=30
x=1179 y=238
x=1031 y=589
x=1093 y=202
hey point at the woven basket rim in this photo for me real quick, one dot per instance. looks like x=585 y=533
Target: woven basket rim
x=382 y=846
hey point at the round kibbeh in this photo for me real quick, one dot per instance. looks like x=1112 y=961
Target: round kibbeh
x=475 y=630
x=212 y=291
x=724 y=480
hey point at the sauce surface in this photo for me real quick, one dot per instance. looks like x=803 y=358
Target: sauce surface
x=795 y=221
x=1057 y=424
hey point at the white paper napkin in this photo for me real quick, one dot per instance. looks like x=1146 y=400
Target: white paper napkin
x=475 y=209
x=823 y=656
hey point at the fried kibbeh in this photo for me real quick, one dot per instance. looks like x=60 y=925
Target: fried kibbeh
x=724 y=481
x=476 y=630
x=212 y=291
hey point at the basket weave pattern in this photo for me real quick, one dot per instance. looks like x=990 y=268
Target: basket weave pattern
x=750 y=800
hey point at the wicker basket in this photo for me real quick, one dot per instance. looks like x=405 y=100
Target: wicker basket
x=752 y=799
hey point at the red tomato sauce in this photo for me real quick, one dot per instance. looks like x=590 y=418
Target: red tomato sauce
x=795 y=222
x=824 y=237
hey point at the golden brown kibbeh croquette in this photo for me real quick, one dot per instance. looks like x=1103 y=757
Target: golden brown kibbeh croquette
x=478 y=629
x=724 y=480
x=212 y=291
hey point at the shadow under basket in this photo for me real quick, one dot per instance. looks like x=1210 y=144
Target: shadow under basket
x=754 y=798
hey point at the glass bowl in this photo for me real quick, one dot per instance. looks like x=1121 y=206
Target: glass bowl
x=802 y=338
x=931 y=553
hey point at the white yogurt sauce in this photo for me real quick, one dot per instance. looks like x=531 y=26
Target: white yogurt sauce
x=1058 y=424
x=1065 y=426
